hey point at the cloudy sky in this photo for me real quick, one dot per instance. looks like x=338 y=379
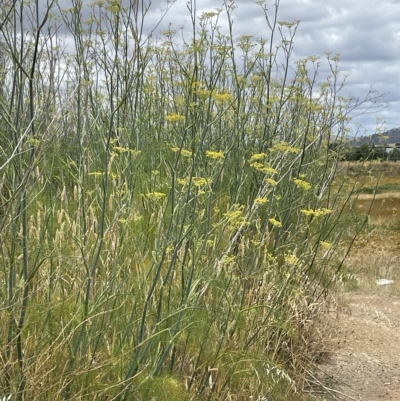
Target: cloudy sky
x=366 y=34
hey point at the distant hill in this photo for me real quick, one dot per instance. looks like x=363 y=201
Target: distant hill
x=389 y=137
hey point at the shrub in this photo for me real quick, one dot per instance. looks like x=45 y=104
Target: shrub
x=171 y=228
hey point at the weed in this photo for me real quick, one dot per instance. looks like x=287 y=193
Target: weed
x=169 y=228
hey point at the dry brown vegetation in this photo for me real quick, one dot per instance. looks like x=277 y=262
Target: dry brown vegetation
x=360 y=356
x=376 y=252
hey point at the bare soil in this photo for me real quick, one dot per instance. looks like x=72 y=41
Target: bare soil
x=364 y=351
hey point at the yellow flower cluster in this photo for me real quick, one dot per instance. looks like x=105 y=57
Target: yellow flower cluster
x=316 y=212
x=197 y=181
x=99 y=3
x=263 y=168
x=274 y=222
x=301 y=184
x=326 y=245
x=291 y=259
x=34 y=141
x=155 y=195
x=113 y=176
x=214 y=155
x=261 y=201
x=257 y=156
x=184 y=152
x=271 y=182
x=113 y=8
x=182 y=181
x=226 y=260
x=222 y=97
x=284 y=147
x=203 y=93
x=235 y=216
x=196 y=84
x=120 y=149
x=175 y=118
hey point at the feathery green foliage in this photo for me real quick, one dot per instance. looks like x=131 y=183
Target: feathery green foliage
x=167 y=223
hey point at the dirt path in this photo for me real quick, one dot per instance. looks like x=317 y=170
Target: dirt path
x=365 y=360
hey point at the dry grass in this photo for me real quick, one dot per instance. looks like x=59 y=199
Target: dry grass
x=376 y=252
x=382 y=209
x=375 y=255
x=386 y=168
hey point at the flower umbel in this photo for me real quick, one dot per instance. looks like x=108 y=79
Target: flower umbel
x=258 y=156
x=274 y=222
x=284 y=147
x=301 y=184
x=271 y=182
x=260 y=201
x=291 y=259
x=222 y=97
x=173 y=117
x=199 y=181
x=261 y=167
x=121 y=149
x=184 y=152
x=196 y=181
x=215 y=155
x=316 y=212
x=236 y=216
x=155 y=195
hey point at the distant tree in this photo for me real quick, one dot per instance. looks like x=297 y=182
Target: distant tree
x=380 y=153
x=364 y=152
x=394 y=155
